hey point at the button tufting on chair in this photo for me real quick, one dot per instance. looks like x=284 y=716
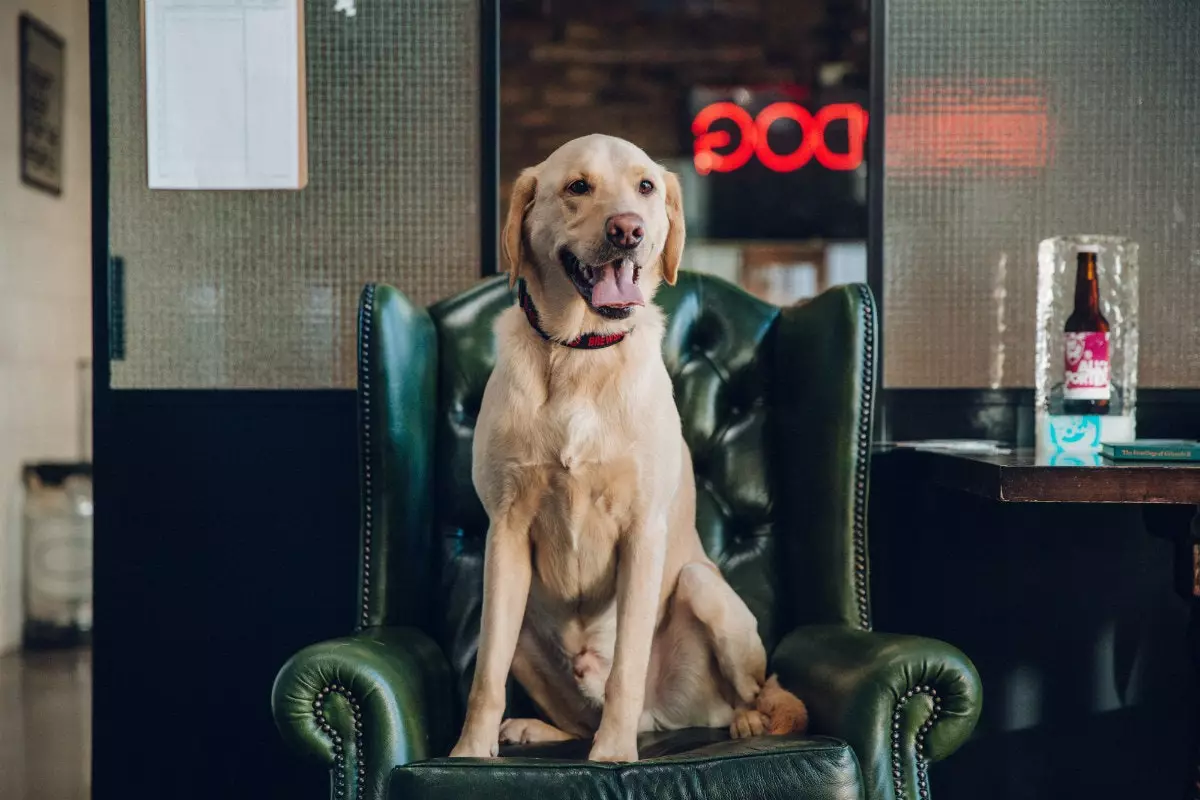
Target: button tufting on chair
x=776 y=406
x=707 y=331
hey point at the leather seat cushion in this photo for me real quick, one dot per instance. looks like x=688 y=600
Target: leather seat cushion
x=699 y=764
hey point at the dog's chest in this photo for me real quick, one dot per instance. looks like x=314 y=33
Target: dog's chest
x=589 y=499
x=578 y=434
x=590 y=459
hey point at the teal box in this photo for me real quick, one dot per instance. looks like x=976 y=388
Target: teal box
x=1065 y=433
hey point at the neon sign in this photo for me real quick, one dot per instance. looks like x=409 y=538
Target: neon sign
x=752 y=137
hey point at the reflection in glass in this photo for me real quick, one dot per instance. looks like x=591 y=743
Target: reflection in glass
x=759 y=107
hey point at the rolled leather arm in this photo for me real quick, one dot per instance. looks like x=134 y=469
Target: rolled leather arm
x=364 y=704
x=900 y=701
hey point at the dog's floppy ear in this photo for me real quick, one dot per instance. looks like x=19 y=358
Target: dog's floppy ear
x=673 y=249
x=513 y=237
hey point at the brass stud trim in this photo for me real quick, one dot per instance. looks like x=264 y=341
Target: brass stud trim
x=919 y=742
x=863 y=455
x=342 y=769
x=366 y=320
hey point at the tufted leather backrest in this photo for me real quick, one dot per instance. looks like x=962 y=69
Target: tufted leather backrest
x=712 y=346
x=775 y=407
x=713 y=350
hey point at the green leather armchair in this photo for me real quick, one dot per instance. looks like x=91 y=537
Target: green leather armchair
x=776 y=407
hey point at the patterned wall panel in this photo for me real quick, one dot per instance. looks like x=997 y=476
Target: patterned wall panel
x=1012 y=120
x=259 y=289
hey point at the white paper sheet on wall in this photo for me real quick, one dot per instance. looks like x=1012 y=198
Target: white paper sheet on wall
x=225 y=94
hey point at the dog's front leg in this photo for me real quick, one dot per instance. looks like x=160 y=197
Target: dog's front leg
x=639 y=580
x=507 y=571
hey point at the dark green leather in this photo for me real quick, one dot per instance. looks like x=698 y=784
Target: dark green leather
x=685 y=765
x=925 y=693
x=732 y=357
x=823 y=404
x=776 y=407
x=714 y=345
x=364 y=703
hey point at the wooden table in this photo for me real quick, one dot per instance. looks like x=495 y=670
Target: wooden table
x=1169 y=494
x=1023 y=477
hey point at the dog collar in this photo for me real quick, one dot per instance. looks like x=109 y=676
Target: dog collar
x=585 y=341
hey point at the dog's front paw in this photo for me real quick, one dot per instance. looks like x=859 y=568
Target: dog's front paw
x=530 y=731
x=474 y=747
x=606 y=749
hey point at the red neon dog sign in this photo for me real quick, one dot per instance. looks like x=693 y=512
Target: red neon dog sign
x=752 y=139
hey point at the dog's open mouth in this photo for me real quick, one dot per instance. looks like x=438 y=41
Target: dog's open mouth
x=611 y=289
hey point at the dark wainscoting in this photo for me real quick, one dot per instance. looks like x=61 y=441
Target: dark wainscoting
x=226 y=539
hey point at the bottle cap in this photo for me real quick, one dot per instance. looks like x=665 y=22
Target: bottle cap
x=1088 y=248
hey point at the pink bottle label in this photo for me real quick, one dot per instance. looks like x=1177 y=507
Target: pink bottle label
x=1087 y=366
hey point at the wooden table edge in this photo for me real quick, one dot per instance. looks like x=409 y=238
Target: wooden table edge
x=1118 y=484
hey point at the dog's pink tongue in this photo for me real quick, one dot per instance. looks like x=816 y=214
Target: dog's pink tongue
x=617 y=287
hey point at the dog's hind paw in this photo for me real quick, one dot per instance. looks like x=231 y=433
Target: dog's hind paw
x=786 y=712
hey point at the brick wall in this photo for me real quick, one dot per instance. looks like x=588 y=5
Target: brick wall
x=624 y=67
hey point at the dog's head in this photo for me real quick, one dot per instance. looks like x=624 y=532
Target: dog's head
x=594 y=228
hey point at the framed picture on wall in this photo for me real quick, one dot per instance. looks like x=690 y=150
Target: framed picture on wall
x=42 y=78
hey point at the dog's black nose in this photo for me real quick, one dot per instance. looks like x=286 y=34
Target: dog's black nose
x=625 y=230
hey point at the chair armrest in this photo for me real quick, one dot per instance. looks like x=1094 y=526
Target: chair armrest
x=364 y=704
x=900 y=701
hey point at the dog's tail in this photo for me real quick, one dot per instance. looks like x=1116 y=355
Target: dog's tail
x=786 y=712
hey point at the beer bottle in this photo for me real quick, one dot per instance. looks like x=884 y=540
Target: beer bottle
x=1087 y=385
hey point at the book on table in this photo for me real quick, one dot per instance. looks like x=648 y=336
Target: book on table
x=1152 y=450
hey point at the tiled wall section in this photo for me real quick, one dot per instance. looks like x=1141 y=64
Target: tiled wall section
x=240 y=290
x=258 y=289
x=1009 y=121
x=45 y=287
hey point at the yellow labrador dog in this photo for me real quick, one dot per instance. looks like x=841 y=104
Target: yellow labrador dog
x=598 y=595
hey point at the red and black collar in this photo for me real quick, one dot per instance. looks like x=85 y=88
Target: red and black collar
x=585 y=341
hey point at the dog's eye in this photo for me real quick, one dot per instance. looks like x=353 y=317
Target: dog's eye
x=579 y=187
x=645 y=187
